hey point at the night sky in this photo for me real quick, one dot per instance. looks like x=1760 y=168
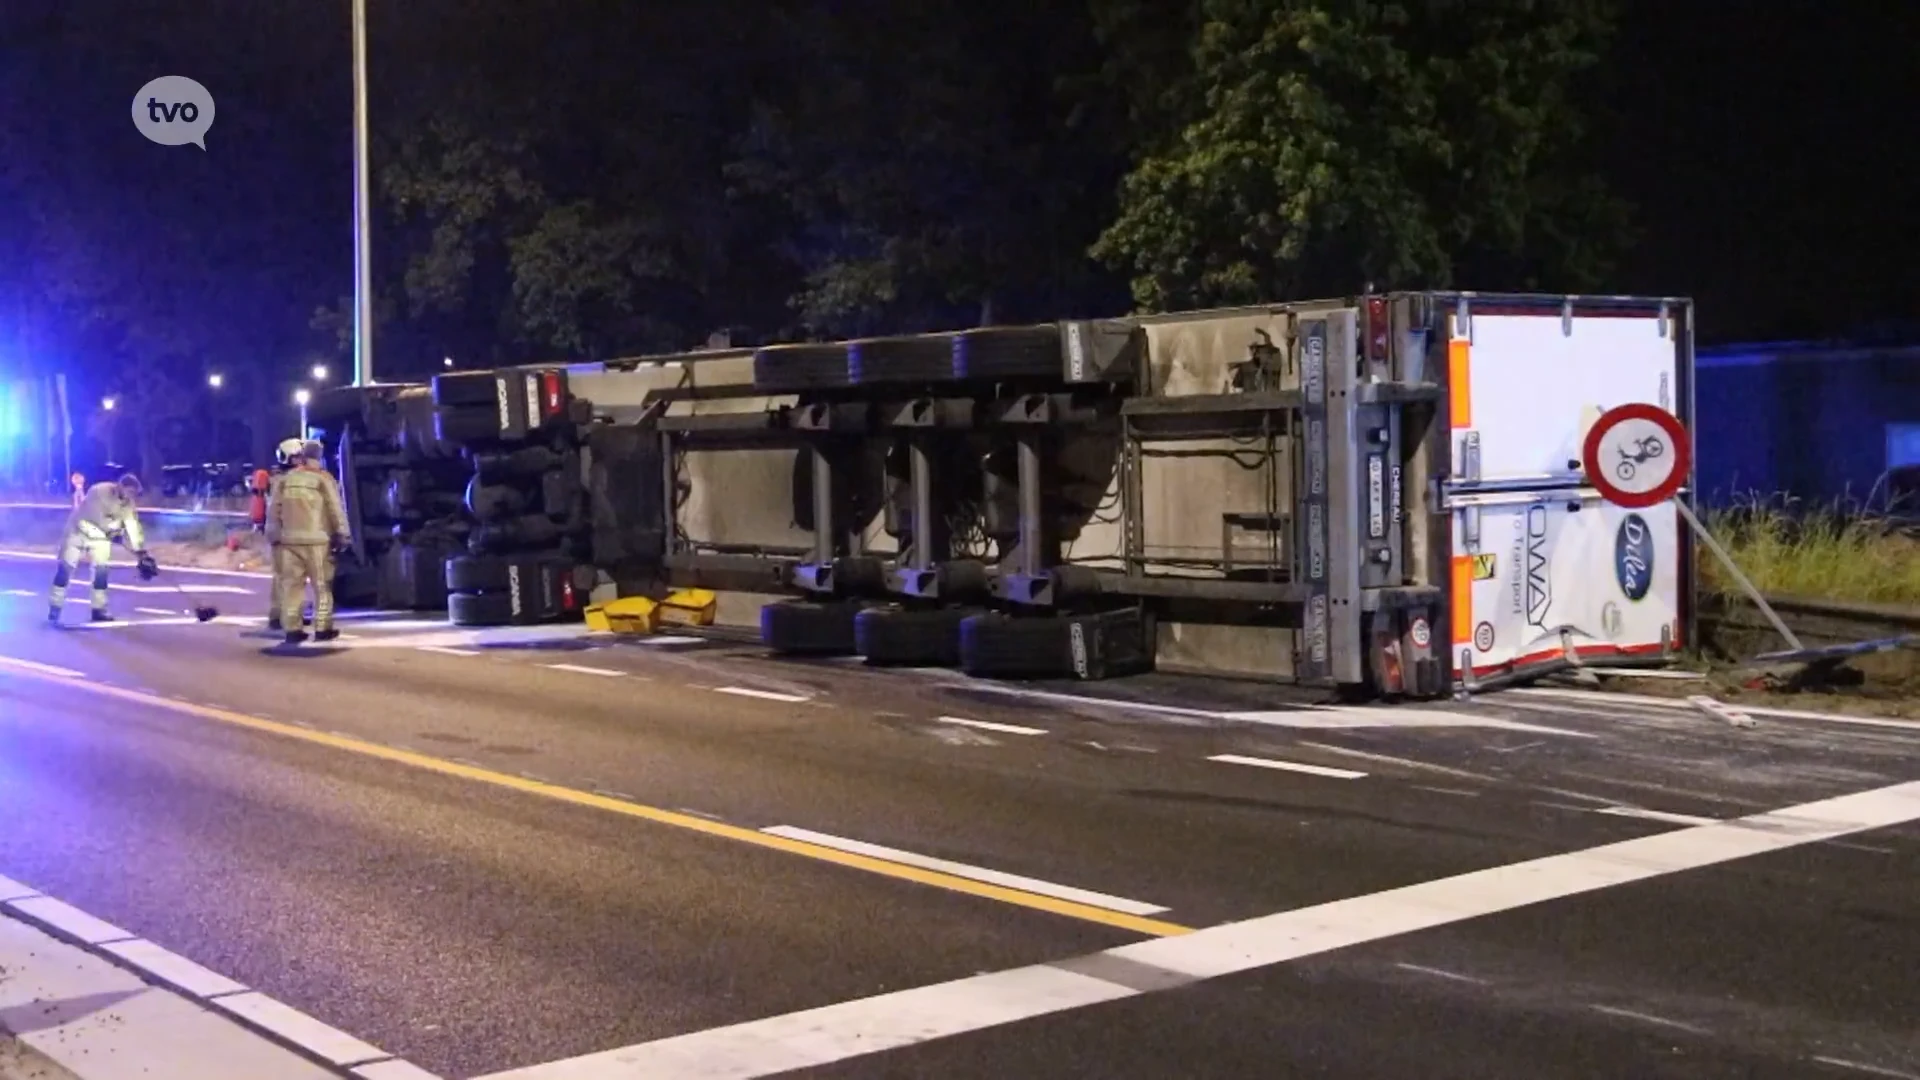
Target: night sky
x=1762 y=143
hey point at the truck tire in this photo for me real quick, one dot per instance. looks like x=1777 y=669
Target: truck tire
x=490 y=503
x=479 y=609
x=1101 y=645
x=465 y=388
x=810 y=627
x=497 y=467
x=477 y=573
x=894 y=636
x=465 y=425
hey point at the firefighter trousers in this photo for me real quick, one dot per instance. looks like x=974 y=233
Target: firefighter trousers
x=294 y=566
x=96 y=548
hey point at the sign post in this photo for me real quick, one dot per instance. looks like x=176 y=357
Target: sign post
x=1638 y=455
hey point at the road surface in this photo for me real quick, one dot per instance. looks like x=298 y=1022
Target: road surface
x=556 y=856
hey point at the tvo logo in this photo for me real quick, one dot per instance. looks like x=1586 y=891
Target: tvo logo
x=174 y=110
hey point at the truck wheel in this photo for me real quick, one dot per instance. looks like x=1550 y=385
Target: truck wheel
x=465 y=388
x=477 y=573
x=464 y=425
x=479 y=609
x=809 y=627
x=489 y=503
x=910 y=637
x=1089 y=646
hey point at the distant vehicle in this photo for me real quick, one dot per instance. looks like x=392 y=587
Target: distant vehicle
x=207 y=480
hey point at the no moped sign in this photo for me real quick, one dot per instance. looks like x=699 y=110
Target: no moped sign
x=1637 y=455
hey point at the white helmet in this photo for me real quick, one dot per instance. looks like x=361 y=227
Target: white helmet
x=288 y=451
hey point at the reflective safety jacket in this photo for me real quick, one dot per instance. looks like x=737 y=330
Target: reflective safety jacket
x=305 y=508
x=107 y=512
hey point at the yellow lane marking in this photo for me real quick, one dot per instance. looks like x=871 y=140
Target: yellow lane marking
x=576 y=797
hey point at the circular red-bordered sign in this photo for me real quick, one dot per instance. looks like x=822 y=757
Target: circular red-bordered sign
x=1637 y=455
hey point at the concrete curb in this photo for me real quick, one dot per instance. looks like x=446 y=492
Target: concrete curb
x=18 y=1061
x=98 y=1003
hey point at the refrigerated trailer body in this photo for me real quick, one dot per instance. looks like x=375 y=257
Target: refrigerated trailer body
x=1378 y=493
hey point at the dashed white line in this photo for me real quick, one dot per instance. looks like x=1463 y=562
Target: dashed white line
x=1287 y=766
x=764 y=695
x=988 y=725
x=448 y=650
x=1441 y=973
x=1656 y=815
x=973 y=873
x=155 y=611
x=581 y=669
x=1629 y=1014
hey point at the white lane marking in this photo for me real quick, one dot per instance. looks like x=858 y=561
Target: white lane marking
x=764 y=695
x=1629 y=1014
x=445 y=650
x=1871 y=1070
x=156 y=611
x=1341 y=717
x=1441 y=973
x=988 y=725
x=667 y=639
x=1656 y=815
x=173 y=969
x=972 y=873
x=1598 y=699
x=44 y=669
x=68 y=920
x=23 y=592
x=230 y=590
x=851 y=1029
x=330 y=1044
x=1287 y=766
x=1410 y=763
x=42 y=556
x=578 y=669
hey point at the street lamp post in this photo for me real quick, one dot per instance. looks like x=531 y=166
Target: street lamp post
x=362 y=209
x=301 y=397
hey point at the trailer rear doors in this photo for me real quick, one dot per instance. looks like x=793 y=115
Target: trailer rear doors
x=1543 y=571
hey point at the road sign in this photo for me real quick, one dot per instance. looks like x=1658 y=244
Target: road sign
x=1637 y=455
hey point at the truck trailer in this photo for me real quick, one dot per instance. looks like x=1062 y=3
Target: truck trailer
x=1378 y=495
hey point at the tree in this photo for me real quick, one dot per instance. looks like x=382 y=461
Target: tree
x=919 y=156
x=1316 y=146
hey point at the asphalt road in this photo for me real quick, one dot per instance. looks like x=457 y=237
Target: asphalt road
x=488 y=851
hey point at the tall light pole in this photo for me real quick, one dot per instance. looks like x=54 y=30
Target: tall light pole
x=362 y=209
x=302 y=397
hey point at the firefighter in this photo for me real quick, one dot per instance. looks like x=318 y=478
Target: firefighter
x=109 y=512
x=285 y=456
x=306 y=522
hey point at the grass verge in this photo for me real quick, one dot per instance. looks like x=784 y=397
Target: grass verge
x=1816 y=555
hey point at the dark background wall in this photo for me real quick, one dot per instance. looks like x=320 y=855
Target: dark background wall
x=1806 y=419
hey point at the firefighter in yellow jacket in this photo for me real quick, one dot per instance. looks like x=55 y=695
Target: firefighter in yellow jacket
x=108 y=512
x=286 y=457
x=305 y=522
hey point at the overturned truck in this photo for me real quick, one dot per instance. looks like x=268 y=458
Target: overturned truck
x=1380 y=495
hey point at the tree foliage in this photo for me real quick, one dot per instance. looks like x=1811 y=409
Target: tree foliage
x=1321 y=145
x=919 y=157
